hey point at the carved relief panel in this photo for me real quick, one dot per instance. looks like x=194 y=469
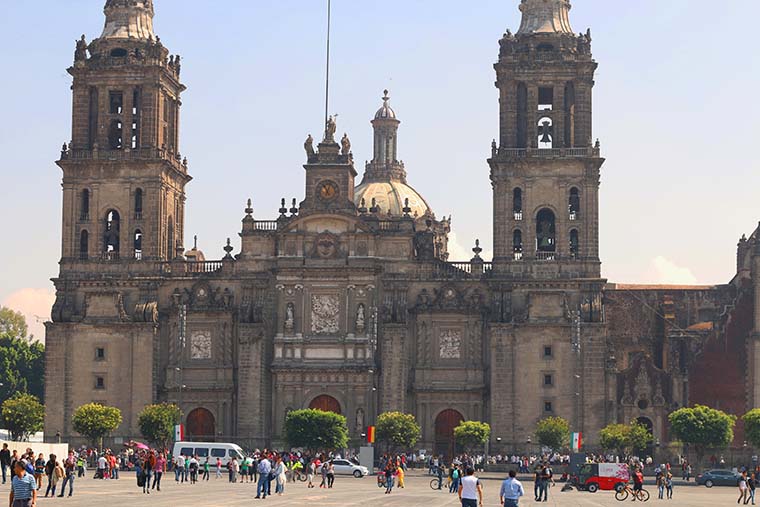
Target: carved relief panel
x=325 y=314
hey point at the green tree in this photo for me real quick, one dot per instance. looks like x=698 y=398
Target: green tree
x=702 y=427
x=398 y=430
x=96 y=421
x=157 y=423
x=553 y=432
x=752 y=427
x=316 y=430
x=12 y=323
x=639 y=437
x=22 y=361
x=625 y=437
x=472 y=434
x=614 y=437
x=23 y=415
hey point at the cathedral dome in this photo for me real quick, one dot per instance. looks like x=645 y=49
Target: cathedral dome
x=385 y=112
x=390 y=196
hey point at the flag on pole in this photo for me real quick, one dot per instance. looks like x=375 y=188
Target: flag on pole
x=179 y=433
x=576 y=442
x=371 y=435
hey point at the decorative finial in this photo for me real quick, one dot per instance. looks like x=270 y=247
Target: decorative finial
x=374 y=208
x=386 y=98
x=294 y=208
x=228 y=248
x=195 y=242
x=477 y=250
x=283 y=207
x=249 y=208
x=363 y=206
x=406 y=209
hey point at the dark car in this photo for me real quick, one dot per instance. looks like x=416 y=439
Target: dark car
x=719 y=478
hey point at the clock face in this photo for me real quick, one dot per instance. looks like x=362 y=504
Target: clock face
x=327 y=191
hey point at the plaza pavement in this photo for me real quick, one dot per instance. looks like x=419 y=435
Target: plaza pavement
x=347 y=492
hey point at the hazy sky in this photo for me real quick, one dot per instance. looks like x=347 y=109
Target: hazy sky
x=673 y=110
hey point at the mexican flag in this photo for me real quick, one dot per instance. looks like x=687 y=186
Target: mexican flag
x=576 y=441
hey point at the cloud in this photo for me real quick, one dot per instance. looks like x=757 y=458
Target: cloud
x=34 y=305
x=459 y=253
x=666 y=271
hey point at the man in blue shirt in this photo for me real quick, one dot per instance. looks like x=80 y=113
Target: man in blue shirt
x=511 y=490
x=23 y=487
x=264 y=468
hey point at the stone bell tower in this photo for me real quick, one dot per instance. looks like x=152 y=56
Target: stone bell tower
x=545 y=166
x=123 y=175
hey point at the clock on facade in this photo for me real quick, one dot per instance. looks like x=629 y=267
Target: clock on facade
x=327 y=190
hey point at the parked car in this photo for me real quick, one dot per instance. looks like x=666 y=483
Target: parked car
x=719 y=478
x=346 y=467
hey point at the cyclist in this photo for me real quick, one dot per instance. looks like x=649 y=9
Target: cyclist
x=638 y=483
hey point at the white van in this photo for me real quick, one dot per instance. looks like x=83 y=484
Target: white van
x=210 y=450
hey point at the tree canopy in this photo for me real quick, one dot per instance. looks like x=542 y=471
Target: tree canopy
x=398 y=430
x=752 y=427
x=472 y=434
x=316 y=430
x=96 y=421
x=157 y=423
x=625 y=437
x=702 y=427
x=22 y=361
x=553 y=432
x=23 y=415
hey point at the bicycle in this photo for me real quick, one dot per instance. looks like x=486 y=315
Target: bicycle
x=642 y=495
x=445 y=484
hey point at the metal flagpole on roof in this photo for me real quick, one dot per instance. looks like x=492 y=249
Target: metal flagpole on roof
x=327 y=78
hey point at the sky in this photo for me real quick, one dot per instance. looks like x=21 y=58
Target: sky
x=673 y=110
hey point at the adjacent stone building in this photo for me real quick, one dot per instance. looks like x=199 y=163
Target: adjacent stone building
x=347 y=301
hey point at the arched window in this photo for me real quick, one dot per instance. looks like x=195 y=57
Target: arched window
x=574 y=244
x=138 y=244
x=115 y=135
x=546 y=235
x=545 y=133
x=517 y=244
x=138 y=204
x=84 y=245
x=574 y=204
x=111 y=235
x=84 y=211
x=517 y=204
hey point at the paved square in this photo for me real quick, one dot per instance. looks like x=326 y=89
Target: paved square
x=346 y=493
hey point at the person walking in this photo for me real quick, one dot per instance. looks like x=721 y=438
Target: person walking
x=69 y=466
x=39 y=470
x=158 y=471
x=50 y=472
x=454 y=476
x=23 y=486
x=330 y=474
x=400 y=473
x=218 y=468
x=310 y=471
x=206 y=467
x=537 y=483
x=388 y=478
x=669 y=485
x=751 y=485
x=660 y=481
x=470 y=490
x=743 y=495
x=279 y=476
x=5 y=462
x=511 y=490
x=147 y=471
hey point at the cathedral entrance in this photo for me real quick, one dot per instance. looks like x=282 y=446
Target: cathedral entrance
x=444 y=432
x=201 y=425
x=326 y=404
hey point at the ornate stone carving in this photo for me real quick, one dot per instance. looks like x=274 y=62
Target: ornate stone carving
x=325 y=310
x=200 y=345
x=450 y=344
x=361 y=318
x=290 y=320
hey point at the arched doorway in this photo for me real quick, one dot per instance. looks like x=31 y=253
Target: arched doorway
x=325 y=403
x=647 y=423
x=444 y=432
x=201 y=424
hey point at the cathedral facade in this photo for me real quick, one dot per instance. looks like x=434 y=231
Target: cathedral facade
x=348 y=301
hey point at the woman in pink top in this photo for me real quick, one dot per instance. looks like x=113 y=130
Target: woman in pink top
x=158 y=471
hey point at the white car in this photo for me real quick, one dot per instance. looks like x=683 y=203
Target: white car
x=345 y=467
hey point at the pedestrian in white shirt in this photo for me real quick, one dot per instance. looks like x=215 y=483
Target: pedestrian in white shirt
x=470 y=490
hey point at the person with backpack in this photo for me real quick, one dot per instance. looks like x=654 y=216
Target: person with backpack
x=454 y=479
